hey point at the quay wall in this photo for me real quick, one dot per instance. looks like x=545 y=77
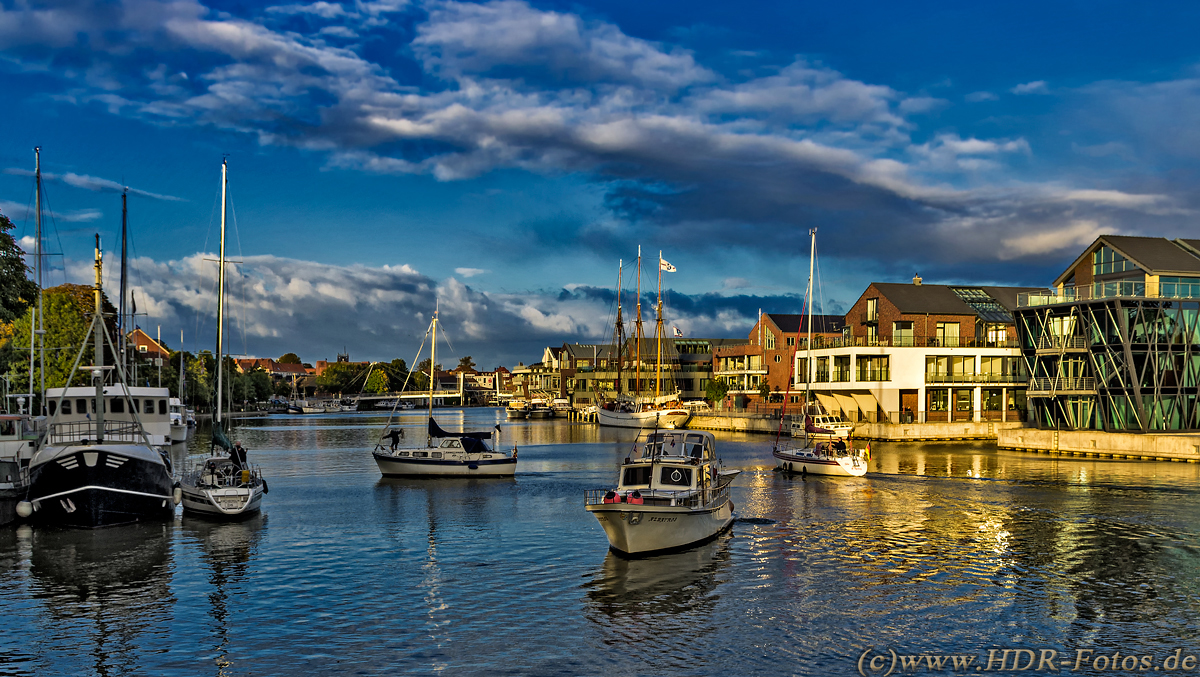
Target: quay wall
x=1177 y=447
x=744 y=422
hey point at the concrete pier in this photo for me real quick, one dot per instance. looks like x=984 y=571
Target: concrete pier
x=1179 y=447
x=744 y=422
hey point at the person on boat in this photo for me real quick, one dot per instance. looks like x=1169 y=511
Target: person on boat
x=238 y=456
x=394 y=436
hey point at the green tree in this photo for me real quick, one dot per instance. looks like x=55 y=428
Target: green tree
x=377 y=382
x=764 y=391
x=289 y=358
x=342 y=377
x=17 y=291
x=716 y=390
x=465 y=363
x=68 y=313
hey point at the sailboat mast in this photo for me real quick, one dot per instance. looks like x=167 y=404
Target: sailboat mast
x=98 y=331
x=433 y=358
x=123 y=320
x=221 y=298
x=181 y=368
x=658 y=331
x=812 y=257
x=638 y=324
x=620 y=337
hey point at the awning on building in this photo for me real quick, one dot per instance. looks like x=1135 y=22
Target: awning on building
x=848 y=406
x=868 y=405
x=828 y=403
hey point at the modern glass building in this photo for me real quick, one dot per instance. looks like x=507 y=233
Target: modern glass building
x=1115 y=345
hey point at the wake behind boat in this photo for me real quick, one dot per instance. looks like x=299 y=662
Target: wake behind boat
x=448 y=454
x=671 y=497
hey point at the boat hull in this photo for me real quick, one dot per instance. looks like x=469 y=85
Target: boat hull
x=638 y=530
x=499 y=465
x=803 y=463
x=89 y=487
x=222 y=503
x=179 y=433
x=516 y=414
x=667 y=419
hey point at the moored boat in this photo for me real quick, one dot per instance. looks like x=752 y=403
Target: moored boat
x=646 y=415
x=179 y=427
x=822 y=427
x=448 y=454
x=673 y=496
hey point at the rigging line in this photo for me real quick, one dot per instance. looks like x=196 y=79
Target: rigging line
x=46 y=209
x=403 y=388
x=237 y=238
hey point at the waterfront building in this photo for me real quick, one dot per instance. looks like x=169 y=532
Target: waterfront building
x=1115 y=345
x=767 y=353
x=913 y=353
x=145 y=346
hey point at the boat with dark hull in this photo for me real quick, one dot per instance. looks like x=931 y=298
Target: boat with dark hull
x=448 y=454
x=100 y=471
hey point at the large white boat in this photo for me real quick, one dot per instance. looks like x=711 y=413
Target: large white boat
x=822 y=451
x=673 y=496
x=179 y=426
x=100 y=464
x=219 y=486
x=19 y=438
x=644 y=414
x=822 y=427
x=517 y=409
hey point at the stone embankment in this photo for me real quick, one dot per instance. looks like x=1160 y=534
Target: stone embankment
x=1096 y=444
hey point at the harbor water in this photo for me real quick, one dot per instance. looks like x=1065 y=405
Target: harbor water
x=942 y=549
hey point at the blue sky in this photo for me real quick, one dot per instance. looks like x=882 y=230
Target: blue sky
x=503 y=156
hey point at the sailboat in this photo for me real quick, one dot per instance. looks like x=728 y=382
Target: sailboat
x=104 y=469
x=222 y=486
x=830 y=456
x=446 y=453
x=663 y=411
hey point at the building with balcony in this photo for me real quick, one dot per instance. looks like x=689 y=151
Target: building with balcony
x=1115 y=345
x=917 y=353
x=767 y=353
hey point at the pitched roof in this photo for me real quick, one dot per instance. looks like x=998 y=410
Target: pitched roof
x=1156 y=255
x=791 y=324
x=992 y=304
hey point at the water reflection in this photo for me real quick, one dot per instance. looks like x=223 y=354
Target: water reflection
x=107 y=593
x=660 y=608
x=229 y=548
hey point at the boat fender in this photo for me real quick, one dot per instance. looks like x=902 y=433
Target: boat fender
x=177 y=495
x=636 y=498
x=610 y=497
x=473 y=466
x=266 y=489
x=24 y=509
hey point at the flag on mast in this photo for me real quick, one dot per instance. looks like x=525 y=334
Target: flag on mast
x=678 y=332
x=664 y=266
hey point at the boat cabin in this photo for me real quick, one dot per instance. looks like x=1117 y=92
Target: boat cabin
x=671 y=461
x=76 y=419
x=18 y=441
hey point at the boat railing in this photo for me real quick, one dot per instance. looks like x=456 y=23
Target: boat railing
x=223 y=476
x=115 y=431
x=685 y=498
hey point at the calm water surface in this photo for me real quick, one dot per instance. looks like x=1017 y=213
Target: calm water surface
x=943 y=548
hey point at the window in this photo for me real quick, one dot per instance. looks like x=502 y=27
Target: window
x=939 y=399
x=770 y=340
x=81 y=406
x=66 y=408
x=136 y=409
x=822 y=370
x=991 y=399
x=149 y=408
x=143 y=349
x=872 y=310
x=118 y=405
x=53 y=406
x=902 y=333
x=778 y=359
x=962 y=400
x=947 y=334
x=1179 y=287
x=680 y=477
x=1106 y=261
x=841 y=369
x=873 y=368
x=791 y=341
x=162 y=407
x=639 y=475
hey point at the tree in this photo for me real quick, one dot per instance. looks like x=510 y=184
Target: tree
x=340 y=377
x=68 y=311
x=465 y=363
x=17 y=291
x=764 y=391
x=377 y=382
x=289 y=358
x=716 y=390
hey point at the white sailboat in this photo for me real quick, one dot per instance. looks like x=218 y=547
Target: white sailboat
x=446 y=453
x=662 y=411
x=832 y=456
x=222 y=486
x=673 y=496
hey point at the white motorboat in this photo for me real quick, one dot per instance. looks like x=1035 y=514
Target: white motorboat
x=673 y=496
x=517 y=409
x=222 y=487
x=539 y=409
x=179 y=427
x=822 y=427
x=219 y=487
x=98 y=464
x=448 y=454
x=19 y=438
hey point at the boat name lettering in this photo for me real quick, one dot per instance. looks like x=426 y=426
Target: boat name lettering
x=663 y=519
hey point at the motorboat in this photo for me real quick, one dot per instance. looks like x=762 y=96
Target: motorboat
x=561 y=407
x=448 y=454
x=517 y=409
x=673 y=496
x=539 y=409
x=179 y=426
x=19 y=438
x=657 y=413
x=822 y=427
x=99 y=464
x=221 y=487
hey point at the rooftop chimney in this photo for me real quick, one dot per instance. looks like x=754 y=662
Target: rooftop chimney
x=916 y=279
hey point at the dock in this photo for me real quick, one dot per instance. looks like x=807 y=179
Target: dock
x=1176 y=447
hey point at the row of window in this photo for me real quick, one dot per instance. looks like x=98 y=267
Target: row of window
x=116 y=405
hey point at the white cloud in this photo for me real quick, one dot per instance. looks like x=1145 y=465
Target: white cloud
x=1066 y=237
x=1035 y=87
x=471 y=272
x=92 y=183
x=325 y=10
x=977 y=97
